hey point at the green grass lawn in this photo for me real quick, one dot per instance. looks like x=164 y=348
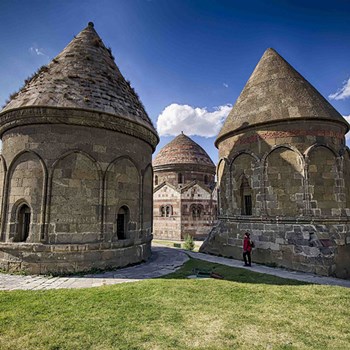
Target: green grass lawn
x=244 y=311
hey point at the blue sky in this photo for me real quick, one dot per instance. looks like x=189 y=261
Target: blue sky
x=187 y=60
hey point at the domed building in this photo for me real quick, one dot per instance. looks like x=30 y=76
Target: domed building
x=76 y=174
x=184 y=191
x=284 y=175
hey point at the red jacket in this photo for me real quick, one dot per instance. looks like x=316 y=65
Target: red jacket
x=246 y=245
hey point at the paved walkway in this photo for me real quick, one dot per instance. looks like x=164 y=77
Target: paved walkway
x=294 y=275
x=164 y=260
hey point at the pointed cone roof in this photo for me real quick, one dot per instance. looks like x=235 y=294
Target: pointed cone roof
x=182 y=150
x=83 y=76
x=274 y=92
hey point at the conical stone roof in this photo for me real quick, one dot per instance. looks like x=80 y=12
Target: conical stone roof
x=274 y=92
x=182 y=150
x=83 y=76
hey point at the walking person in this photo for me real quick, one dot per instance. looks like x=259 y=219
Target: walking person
x=247 y=248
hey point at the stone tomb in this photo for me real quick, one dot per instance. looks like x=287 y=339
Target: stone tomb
x=75 y=172
x=284 y=175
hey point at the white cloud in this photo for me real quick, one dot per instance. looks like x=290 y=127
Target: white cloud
x=342 y=93
x=37 y=51
x=192 y=121
x=225 y=85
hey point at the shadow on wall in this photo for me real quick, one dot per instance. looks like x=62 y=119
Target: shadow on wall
x=283 y=180
x=287 y=189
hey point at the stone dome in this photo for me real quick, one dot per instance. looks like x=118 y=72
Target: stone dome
x=274 y=92
x=83 y=77
x=182 y=150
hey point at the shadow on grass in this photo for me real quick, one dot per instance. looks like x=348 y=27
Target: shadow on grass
x=228 y=273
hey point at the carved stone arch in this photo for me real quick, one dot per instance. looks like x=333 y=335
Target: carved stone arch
x=323 y=175
x=237 y=154
x=26 y=180
x=3 y=161
x=222 y=164
x=36 y=155
x=316 y=145
x=21 y=215
x=244 y=165
x=284 y=179
x=223 y=187
x=346 y=178
x=122 y=184
x=290 y=147
x=148 y=167
x=147 y=200
x=75 y=199
x=3 y=172
x=16 y=206
x=68 y=153
x=118 y=159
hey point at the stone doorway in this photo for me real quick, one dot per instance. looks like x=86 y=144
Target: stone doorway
x=23 y=223
x=122 y=221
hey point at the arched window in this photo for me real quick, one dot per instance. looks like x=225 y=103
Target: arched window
x=246 y=197
x=168 y=211
x=180 y=178
x=23 y=223
x=156 y=180
x=122 y=222
x=162 y=211
x=196 y=211
x=206 y=179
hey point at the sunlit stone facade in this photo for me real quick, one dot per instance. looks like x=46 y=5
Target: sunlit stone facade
x=284 y=175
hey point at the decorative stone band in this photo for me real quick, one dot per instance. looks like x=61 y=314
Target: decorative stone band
x=280 y=134
x=210 y=169
x=37 y=258
x=276 y=220
x=74 y=116
x=290 y=133
x=9 y=247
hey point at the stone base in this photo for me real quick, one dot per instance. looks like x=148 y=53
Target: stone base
x=320 y=247
x=36 y=258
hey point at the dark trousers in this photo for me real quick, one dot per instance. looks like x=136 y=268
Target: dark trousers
x=245 y=255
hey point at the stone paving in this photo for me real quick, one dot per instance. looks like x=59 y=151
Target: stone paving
x=294 y=275
x=162 y=262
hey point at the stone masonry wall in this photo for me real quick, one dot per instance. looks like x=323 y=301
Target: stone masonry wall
x=26 y=186
x=74 y=179
x=314 y=247
x=167 y=227
x=172 y=176
x=296 y=172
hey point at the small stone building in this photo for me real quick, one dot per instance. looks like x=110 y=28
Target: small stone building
x=284 y=175
x=75 y=172
x=184 y=191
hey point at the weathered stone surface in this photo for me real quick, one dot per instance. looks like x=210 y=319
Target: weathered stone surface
x=283 y=144
x=83 y=76
x=276 y=91
x=76 y=167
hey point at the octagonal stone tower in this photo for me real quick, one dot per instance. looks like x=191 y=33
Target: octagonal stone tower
x=76 y=170
x=184 y=190
x=284 y=175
